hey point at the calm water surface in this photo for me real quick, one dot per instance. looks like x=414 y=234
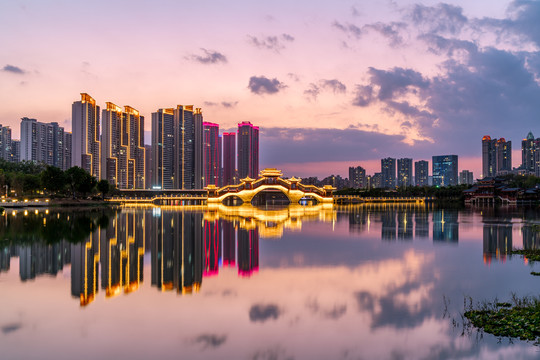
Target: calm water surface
x=365 y=282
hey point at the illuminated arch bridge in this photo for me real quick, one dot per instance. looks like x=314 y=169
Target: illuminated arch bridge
x=270 y=182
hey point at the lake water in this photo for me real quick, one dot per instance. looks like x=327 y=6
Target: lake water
x=362 y=282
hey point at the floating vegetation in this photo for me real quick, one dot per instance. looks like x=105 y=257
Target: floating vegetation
x=531 y=255
x=521 y=319
x=535 y=273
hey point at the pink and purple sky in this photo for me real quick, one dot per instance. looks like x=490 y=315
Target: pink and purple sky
x=332 y=84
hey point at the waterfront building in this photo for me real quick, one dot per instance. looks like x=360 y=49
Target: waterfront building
x=388 y=173
x=211 y=154
x=421 y=175
x=357 y=177
x=445 y=170
x=122 y=141
x=528 y=149
x=404 y=172
x=148 y=176
x=248 y=150
x=15 y=151
x=163 y=149
x=229 y=158
x=188 y=156
x=466 y=177
x=5 y=143
x=86 y=146
x=376 y=181
x=66 y=162
x=42 y=142
x=496 y=156
x=504 y=155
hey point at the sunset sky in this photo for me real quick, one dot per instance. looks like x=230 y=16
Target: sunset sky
x=330 y=83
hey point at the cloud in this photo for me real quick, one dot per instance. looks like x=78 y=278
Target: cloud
x=208 y=57
x=441 y=18
x=9 y=328
x=262 y=85
x=391 y=31
x=293 y=77
x=274 y=43
x=212 y=341
x=225 y=104
x=13 y=69
x=335 y=85
x=312 y=92
x=363 y=95
x=263 y=313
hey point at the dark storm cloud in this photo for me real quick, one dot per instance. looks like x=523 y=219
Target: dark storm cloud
x=262 y=85
x=441 y=18
x=9 y=328
x=262 y=313
x=210 y=340
x=299 y=145
x=274 y=43
x=208 y=57
x=13 y=69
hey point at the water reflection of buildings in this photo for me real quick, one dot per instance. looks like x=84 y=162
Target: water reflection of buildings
x=497 y=242
x=445 y=226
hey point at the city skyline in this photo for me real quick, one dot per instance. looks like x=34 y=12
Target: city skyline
x=396 y=79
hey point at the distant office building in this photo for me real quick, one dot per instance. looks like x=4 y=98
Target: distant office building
x=42 y=142
x=5 y=143
x=527 y=153
x=445 y=170
x=67 y=150
x=404 y=172
x=388 y=173
x=122 y=147
x=466 y=177
x=148 y=166
x=229 y=158
x=421 y=175
x=248 y=150
x=15 y=151
x=211 y=154
x=86 y=146
x=357 y=177
x=496 y=156
x=163 y=149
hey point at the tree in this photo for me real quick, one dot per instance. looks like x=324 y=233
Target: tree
x=103 y=187
x=53 y=179
x=79 y=180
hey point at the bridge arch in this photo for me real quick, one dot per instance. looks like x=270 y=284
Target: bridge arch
x=270 y=179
